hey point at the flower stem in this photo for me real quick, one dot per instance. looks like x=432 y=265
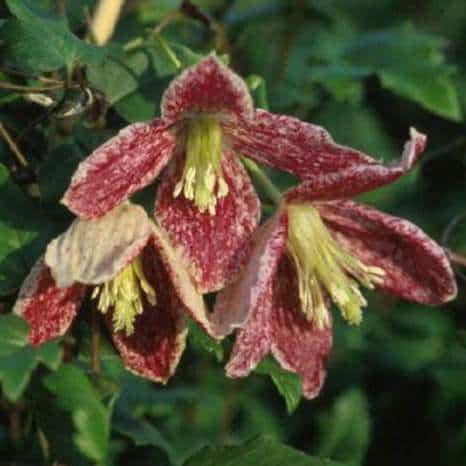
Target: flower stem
x=258 y=174
x=95 y=341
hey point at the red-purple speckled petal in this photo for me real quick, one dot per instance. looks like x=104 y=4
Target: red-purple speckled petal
x=240 y=299
x=181 y=281
x=209 y=87
x=296 y=344
x=212 y=247
x=155 y=348
x=416 y=267
x=278 y=326
x=49 y=310
x=120 y=167
x=358 y=178
x=300 y=148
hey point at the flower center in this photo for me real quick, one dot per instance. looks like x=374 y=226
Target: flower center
x=124 y=293
x=202 y=180
x=324 y=265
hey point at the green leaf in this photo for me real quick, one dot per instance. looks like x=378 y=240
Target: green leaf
x=40 y=41
x=262 y=451
x=13 y=333
x=23 y=234
x=55 y=174
x=345 y=429
x=18 y=360
x=141 y=432
x=288 y=384
x=91 y=417
x=410 y=64
x=203 y=342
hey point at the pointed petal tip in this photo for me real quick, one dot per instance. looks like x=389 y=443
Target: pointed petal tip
x=413 y=148
x=208 y=86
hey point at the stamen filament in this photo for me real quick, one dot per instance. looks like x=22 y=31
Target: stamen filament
x=324 y=264
x=124 y=294
x=202 y=180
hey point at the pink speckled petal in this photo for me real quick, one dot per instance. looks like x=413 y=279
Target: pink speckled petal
x=358 y=178
x=278 y=326
x=212 y=246
x=94 y=251
x=253 y=341
x=300 y=148
x=296 y=344
x=49 y=310
x=416 y=267
x=120 y=167
x=210 y=87
x=240 y=299
x=155 y=348
x=181 y=282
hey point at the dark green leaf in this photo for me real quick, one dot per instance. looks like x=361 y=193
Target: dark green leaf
x=262 y=451
x=203 y=342
x=23 y=234
x=91 y=417
x=141 y=432
x=17 y=359
x=288 y=384
x=43 y=42
x=345 y=429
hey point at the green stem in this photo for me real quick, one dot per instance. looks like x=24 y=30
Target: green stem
x=95 y=341
x=257 y=173
x=169 y=52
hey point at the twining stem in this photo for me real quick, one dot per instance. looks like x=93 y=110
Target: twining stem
x=95 y=341
x=257 y=173
x=18 y=87
x=12 y=145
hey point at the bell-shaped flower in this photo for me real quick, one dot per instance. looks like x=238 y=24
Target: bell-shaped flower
x=321 y=248
x=126 y=267
x=206 y=201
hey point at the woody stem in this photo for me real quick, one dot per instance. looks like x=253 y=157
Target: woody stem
x=258 y=174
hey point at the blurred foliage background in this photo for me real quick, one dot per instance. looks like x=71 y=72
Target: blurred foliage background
x=396 y=387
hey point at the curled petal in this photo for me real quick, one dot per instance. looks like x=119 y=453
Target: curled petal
x=119 y=168
x=292 y=145
x=278 y=326
x=416 y=267
x=296 y=344
x=212 y=247
x=49 y=310
x=94 y=251
x=357 y=178
x=155 y=348
x=209 y=87
x=240 y=299
x=181 y=281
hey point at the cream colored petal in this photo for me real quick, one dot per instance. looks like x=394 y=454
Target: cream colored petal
x=94 y=251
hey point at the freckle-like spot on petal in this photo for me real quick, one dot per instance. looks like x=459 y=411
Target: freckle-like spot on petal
x=212 y=247
x=416 y=267
x=49 y=310
x=209 y=87
x=120 y=167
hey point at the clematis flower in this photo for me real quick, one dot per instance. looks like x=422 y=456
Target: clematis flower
x=128 y=268
x=320 y=248
x=206 y=201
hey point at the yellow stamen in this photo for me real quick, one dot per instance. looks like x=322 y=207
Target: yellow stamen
x=323 y=264
x=124 y=293
x=202 y=180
